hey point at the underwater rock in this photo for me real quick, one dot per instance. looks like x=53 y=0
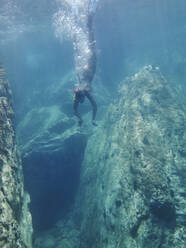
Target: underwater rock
x=132 y=180
x=130 y=185
x=48 y=123
x=13 y=206
x=52 y=179
x=64 y=234
x=52 y=146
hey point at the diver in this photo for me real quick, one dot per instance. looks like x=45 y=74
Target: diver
x=86 y=72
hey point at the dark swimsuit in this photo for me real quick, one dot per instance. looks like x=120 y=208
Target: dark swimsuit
x=79 y=98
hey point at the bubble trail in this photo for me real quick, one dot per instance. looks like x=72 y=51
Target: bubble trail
x=74 y=21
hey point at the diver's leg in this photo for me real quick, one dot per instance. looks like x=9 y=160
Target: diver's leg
x=94 y=106
x=76 y=112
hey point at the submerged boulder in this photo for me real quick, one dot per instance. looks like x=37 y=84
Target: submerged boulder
x=132 y=191
x=15 y=218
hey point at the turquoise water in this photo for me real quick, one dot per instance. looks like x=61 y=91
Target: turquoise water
x=129 y=34
x=36 y=48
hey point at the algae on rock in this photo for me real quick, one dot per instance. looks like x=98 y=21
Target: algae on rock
x=133 y=175
x=12 y=213
x=132 y=178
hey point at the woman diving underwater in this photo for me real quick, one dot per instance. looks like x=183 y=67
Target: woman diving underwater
x=85 y=63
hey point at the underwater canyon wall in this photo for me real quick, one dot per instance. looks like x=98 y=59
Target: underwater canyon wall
x=132 y=183
x=120 y=185
x=15 y=218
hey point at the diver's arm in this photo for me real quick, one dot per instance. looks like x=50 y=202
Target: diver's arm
x=76 y=113
x=94 y=106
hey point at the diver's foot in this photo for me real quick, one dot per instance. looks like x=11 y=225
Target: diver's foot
x=94 y=123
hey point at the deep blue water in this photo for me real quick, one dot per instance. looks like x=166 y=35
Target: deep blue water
x=129 y=34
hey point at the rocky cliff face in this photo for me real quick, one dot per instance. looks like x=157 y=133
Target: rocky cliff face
x=132 y=185
x=15 y=219
x=130 y=173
